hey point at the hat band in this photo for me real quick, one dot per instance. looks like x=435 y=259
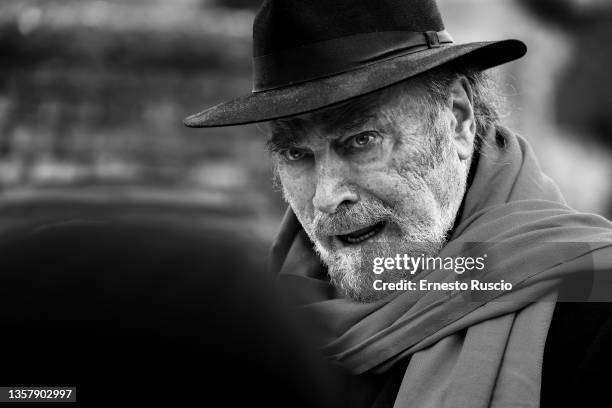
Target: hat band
x=331 y=57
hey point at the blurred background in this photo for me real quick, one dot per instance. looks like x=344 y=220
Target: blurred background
x=92 y=96
x=92 y=93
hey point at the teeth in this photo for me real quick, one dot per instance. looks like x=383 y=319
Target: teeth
x=361 y=238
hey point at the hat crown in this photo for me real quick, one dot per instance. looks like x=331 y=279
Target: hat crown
x=310 y=54
x=286 y=24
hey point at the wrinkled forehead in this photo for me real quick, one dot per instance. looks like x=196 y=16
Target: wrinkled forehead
x=376 y=107
x=328 y=121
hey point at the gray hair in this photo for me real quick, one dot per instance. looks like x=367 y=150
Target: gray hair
x=487 y=97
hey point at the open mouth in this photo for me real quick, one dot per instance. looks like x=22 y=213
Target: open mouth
x=363 y=234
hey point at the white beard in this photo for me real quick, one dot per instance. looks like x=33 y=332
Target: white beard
x=350 y=268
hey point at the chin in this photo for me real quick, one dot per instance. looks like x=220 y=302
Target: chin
x=350 y=266
x=357 y=284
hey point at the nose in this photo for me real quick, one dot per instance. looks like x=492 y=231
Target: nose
x=333 y=185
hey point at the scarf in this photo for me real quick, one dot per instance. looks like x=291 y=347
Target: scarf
x=464 y=352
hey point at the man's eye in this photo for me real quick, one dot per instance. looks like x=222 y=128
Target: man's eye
x=361 y=140
x=293 y=154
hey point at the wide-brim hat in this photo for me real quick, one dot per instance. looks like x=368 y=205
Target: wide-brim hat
x=309 y=55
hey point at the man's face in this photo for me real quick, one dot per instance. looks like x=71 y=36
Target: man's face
x=377 y=176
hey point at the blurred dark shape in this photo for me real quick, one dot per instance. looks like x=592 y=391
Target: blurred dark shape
x=142 y=310
x=584 y=91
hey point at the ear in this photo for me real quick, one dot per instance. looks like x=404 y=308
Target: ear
x=463 y=113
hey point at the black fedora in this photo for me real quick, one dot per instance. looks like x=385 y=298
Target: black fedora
x=310 y=54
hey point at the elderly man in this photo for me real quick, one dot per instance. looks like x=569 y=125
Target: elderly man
x=387 y=145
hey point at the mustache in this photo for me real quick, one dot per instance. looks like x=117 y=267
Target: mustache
x=352 y=217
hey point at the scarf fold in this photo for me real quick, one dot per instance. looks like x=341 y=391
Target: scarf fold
x=464 y=351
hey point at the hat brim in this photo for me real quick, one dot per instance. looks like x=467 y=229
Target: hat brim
x=316 y=94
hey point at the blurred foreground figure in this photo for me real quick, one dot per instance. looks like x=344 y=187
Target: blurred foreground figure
x=388 y=146
x=144 y=312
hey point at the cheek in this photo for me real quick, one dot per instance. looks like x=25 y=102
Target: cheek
x=298 y=191
x=414 y=164
x=405 y=189
x=393 y=189
x=447 y=183
x=406 y=180
x=383 y=186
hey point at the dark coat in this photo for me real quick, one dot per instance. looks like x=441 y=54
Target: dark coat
x=578 y=356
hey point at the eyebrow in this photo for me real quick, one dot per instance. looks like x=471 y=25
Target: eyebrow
x=283 y=137
x=355 y=124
